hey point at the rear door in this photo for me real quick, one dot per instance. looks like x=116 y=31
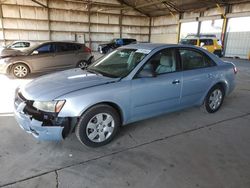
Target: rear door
x=66 y=55
x=199 y=73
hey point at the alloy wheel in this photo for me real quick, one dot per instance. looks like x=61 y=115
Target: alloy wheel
x=100 y=127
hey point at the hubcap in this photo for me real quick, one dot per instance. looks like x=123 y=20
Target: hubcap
x=100 y=127
x=20 y=71
x=215 y=99
x=83 y=65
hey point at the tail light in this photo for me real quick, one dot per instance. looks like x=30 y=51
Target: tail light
x=235 y=70
x=87 y=50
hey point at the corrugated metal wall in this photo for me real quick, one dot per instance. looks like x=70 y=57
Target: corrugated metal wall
x=165 y=29
x=65 y=20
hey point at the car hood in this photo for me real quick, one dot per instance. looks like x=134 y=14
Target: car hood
x=10 y=53
x=51 y=86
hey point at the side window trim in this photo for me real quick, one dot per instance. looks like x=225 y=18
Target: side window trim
x=51 y=45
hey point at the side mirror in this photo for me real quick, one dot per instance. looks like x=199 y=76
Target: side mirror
x=202 y=44
x=35 y=52
x=146 y=73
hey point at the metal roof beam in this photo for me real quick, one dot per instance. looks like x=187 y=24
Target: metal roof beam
x=135 y=8
x=39 y=3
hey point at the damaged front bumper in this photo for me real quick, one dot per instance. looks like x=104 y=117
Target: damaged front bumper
x=41 y=129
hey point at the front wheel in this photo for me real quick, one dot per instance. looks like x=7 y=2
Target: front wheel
x=20 y=70
x=98 y=125
x=214 y=99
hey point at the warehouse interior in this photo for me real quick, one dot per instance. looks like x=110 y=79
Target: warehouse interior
x=95 y=22
x=184 y=149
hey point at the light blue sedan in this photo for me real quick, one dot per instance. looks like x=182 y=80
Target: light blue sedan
x=132 y=83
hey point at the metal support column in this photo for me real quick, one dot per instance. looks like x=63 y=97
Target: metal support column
x=89 y=24
x=49 y=23
x=150 y=28
x=179 y=28
x=224 y=28
x=120 y=23
x=1 y=17
x=199 y=24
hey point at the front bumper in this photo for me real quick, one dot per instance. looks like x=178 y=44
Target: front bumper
x=35 y=127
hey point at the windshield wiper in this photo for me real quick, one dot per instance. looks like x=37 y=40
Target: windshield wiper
x=101 y=73
x=93 y=71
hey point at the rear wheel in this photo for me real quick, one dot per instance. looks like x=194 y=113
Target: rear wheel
x=218 y=53
x=98 y=125
x=214 y=99
x=82 y=64
x=20 y=70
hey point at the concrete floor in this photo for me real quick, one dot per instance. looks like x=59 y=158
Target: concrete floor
x=185 y=149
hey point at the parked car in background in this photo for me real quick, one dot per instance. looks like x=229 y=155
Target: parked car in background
x=45 y=57
x=16 y=45
x=113 y=44
x=208 y=42
x=20 y=45
x=132 y=83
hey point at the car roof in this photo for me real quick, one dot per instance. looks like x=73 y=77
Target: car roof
x=70 y=42
x=152 y=46
x=146 y=46
x=195 y=38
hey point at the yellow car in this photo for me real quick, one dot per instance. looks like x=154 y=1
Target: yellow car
x=211 y=44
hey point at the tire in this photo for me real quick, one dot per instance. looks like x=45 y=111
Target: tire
x=214 y=99
x=93 y=131
x=20 y=70
x=218 y=53
x=82 y=64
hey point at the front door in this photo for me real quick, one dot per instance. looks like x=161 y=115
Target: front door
x=155 y=95
x=42 y=58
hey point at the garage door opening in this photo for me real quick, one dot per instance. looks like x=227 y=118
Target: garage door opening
x=238 y=38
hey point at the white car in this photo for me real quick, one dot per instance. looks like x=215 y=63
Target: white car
x=20 y=45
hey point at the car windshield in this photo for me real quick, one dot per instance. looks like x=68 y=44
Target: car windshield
x=189 y=41
x=119 y=63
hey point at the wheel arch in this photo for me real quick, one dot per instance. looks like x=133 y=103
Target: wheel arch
x=22 y=62
x=113 y=105
x=222 y=84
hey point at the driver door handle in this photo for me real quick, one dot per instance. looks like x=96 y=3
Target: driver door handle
x=176 y=82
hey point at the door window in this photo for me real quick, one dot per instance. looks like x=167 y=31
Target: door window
x=189 y=41
x=192 y=59
x=65 y=47
x=47 y=48
x=207 y=42
x=162 y=62
x=20 y=45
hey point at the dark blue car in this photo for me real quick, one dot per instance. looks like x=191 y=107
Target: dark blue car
x=113 y=44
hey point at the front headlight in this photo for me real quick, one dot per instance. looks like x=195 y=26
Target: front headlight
x=49 y=106
x=2 y=60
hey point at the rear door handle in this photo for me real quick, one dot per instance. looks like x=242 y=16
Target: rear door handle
x=176 y=82
x=210 y=76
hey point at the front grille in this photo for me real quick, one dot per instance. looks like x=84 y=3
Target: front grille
x=19 y=98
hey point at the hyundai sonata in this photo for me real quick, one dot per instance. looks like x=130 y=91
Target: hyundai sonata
x=132 y=83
